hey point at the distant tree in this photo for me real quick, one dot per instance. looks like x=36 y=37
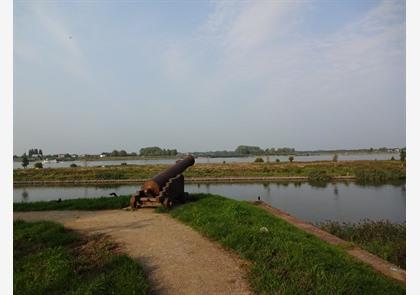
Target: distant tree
x=40 y=152
x=249 y=150
x=122 y=153
x=291 y=158
x=402 y=155
x=392 y=158
x=335 y=158
x=277 y=160
x=157 y=151
x=151 y=151
x=259 y=160
x=38 y=165
x=25 y=161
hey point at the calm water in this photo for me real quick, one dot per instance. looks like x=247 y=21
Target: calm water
x=341 y=201
x=326 y=157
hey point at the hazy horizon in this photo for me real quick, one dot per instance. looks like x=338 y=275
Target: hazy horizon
x=92 y=77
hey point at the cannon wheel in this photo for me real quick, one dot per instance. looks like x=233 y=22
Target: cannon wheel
x=167 y=203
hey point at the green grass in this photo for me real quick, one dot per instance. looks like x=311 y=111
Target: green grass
x=285 y=260
x=102 y=203
x=364 y=171
x=49 y=259
x=382 y=238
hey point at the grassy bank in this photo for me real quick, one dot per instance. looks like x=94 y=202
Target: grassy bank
x=102 y=203
x=363 y=171
x=49 y=259
x=382 y=238
x=284 y=259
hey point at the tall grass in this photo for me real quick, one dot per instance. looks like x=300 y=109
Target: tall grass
x=382 y=238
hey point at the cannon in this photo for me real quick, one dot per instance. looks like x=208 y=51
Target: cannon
x=165 y=188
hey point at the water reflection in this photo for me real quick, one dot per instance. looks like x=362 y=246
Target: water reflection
x=25 y=195
x=342 y=201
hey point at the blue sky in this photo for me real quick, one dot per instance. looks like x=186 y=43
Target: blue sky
x=208 y=75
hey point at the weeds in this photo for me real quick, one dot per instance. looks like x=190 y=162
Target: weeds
x=382 y=238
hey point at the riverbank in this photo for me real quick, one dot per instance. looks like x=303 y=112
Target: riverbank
x=50 y=259
x=284 y=259
x=362 y=171
x=208 y=214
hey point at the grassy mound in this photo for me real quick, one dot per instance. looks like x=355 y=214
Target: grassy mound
x=285 y=260
x=49 y=259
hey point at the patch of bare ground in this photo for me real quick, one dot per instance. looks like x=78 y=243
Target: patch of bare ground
x=177 y=259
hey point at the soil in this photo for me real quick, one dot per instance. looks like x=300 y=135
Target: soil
x=176 y=259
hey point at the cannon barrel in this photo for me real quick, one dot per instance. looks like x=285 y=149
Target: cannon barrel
x=153 y=186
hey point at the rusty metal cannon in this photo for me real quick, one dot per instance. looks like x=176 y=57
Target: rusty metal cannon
x=166 y=188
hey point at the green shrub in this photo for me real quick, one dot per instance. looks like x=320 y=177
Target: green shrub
x=38 y=165
x=259 y=160
x=316 y=175
x=73 y=165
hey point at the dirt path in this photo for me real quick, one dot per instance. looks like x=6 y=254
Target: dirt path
x=177 y=259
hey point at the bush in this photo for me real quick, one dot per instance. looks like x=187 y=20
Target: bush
x=25 y=161
x=277 y=160
x=124 y=164
x=335 y=158
x=291 y=158
x=402 y=155
x=318 y=176
x=38 y=165
x=73 y=165
x=259 y=160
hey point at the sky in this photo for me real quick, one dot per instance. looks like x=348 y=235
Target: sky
x=93 y=76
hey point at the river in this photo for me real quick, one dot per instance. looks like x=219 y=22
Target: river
x=342 y=201
x=323 y=157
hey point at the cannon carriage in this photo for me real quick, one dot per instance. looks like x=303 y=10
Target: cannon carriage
x=165 y=188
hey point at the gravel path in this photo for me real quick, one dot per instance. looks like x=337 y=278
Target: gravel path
x=177 y=259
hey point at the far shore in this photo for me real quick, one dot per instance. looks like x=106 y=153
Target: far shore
x=187 y=180
x=366 y=171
